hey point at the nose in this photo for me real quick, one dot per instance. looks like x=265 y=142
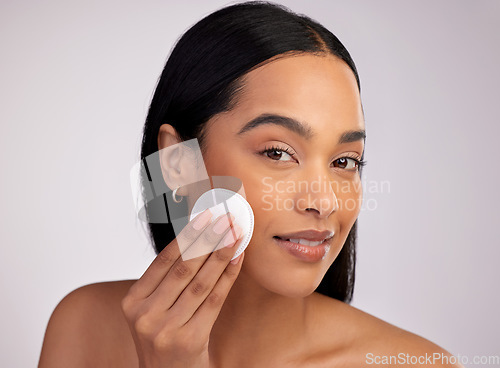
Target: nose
x=317 y=196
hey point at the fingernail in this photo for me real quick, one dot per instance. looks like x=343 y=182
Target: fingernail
x=229 y=239
x=222 y=224
x=202 y=219
x=237 y=259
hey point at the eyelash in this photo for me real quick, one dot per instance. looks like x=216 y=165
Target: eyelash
x=360 y=163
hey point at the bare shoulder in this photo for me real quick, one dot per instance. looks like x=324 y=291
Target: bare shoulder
x=368 y=340
x=87 y=327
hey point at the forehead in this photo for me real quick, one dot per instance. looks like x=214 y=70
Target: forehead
x=316 y=89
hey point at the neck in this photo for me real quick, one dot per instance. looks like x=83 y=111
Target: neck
x=256 y=327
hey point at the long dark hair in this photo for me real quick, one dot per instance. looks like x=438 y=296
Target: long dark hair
x=203 y=77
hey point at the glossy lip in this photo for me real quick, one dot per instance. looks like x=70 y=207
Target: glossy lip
x=305 y=252
x=310 y=234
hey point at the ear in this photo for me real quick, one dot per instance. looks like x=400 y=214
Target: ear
x=174 y=161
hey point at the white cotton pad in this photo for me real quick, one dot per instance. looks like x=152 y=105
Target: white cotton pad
x=217 y=200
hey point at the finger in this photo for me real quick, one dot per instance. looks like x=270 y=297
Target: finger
x=182 y=272
x=203 y=283
x=205 y=316
x=208 y=240
x=163 y=262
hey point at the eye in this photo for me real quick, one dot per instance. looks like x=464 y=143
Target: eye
x=348 y=163
x=277 y=153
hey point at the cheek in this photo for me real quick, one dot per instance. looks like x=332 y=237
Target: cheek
x=349 y=197
x=218 y=163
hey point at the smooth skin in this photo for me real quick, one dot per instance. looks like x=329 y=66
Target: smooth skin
x=263 y=311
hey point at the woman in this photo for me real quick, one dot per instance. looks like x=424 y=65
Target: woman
x=273 y=99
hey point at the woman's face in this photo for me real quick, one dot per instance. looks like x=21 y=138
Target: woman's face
x=302 y=183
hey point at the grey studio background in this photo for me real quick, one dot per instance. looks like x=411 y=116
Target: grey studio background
x=76 y=81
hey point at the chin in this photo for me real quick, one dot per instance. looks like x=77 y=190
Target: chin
x=291 y=289
x=282 y=274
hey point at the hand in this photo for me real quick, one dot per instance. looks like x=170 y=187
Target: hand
x=172 y=308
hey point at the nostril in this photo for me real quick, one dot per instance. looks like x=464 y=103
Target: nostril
x=311 y=209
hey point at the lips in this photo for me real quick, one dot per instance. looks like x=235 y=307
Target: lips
x=305 y=253
x=309 y=237
x=308 y=245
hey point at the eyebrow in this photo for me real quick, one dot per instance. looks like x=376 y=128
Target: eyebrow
x=301 y=129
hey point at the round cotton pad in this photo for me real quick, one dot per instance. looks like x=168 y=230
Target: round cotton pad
x=216 y=199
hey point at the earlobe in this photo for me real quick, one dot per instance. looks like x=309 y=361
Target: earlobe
x=181 y=162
